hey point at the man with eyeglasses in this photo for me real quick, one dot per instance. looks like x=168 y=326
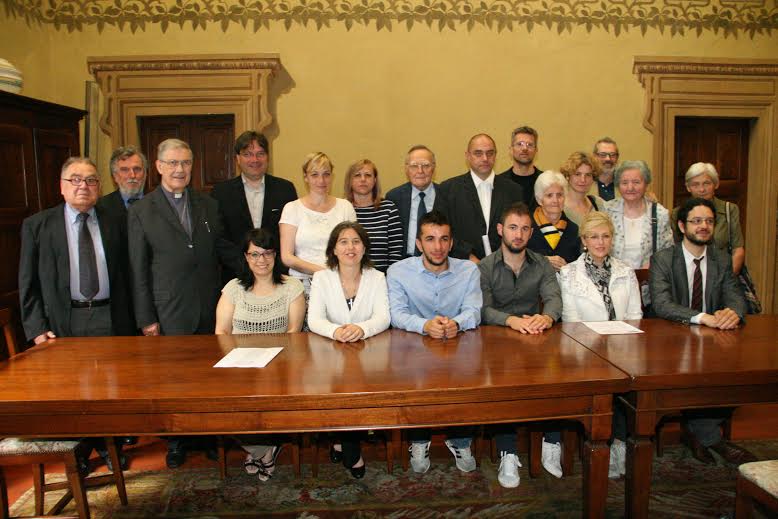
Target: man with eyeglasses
x=416 y=197
x=524 y=147
x=254 y=199
x=607 y=151
x=176 y=245
x=73 y=280
x=693 y=284
x=473 y=202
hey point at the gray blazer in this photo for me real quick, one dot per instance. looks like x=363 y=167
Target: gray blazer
x=669 y=285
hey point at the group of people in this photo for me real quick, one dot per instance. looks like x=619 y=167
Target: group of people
x=523 y=249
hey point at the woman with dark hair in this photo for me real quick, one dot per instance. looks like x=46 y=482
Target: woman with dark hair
x=378 y=216
x=349 y=302
x=260 y=300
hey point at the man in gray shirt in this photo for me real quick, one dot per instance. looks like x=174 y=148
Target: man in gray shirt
x=514 y=281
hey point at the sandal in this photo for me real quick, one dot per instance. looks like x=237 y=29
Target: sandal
x=252 y=466
x=266 y=468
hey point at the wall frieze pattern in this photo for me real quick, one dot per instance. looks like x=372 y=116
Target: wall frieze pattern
x=674 y=17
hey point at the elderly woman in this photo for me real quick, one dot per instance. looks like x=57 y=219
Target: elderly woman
x=378 y=216
x=642 y=227
x=598 y=287
x=580 y=170
x=349 y=302
x=702 y=180
x=307 y=222
x=261 y=300
x=553 y=234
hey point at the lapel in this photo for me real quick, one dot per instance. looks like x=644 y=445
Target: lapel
x=162 y=208
x=243 y=205
x=711 y=275
x=59 y=243
x=197 y=212
x=497 y=205
x=109 y=237
x=681 y=279
x=471 y=194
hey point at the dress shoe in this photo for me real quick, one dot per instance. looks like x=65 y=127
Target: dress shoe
x=335 y=456
x=129 y=440
x=699 y=451
x=358 y=472
x=732 y=453
x=175 y=458
x=123 y=461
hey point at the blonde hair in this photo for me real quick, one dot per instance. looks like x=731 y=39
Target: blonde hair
x=595 y=219
x=317 y=158
x=348 y=193
x=576 y=160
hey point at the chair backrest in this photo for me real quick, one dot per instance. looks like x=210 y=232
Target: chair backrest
x=8 y=331
x=642 y=275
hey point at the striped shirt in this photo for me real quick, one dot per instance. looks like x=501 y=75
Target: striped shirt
x=385 y=231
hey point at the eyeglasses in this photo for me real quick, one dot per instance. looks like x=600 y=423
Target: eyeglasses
x=77 y=181
x=481 y=153
x=606 y=155
x=126 y=171
x=524 y=144
x=425 y=166
x=249 y=155
x=699 y=221
x=175 y=163
x=267 y=255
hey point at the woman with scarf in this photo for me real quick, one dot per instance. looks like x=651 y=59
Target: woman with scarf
x=599 y=287
x=553 y=234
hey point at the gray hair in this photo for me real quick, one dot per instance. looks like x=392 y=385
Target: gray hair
x=125 y=152
x=547 y=179
x=700 y=168
x=77 y=160
x=527 y=130
x=171 y=144
x=639 y=165
x=418 y=147
x=606 y=140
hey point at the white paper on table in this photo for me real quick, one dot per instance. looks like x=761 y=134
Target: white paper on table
x=612 y=327
x=248 y=358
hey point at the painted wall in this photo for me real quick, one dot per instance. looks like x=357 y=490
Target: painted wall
x=368 y=93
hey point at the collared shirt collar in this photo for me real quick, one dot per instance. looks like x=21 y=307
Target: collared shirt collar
x=477 y=180
x=688 y=256
x=421 y=269
x=248 y=186
x=125 y=198
x=73 y=213
x=415 y=191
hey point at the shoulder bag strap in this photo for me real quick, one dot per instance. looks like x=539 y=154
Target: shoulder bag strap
x=653 y=227
x=729 y=229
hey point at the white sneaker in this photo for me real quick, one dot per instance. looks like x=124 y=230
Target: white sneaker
x=551 y=458
x=509 y=470
x=618 y=462
x=420 y=457
x=464 y=458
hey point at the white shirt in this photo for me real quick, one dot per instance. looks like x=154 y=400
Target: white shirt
x=72 y=228
x=633 y=234
x=484 y=189
x=255 y=197
x=688 y=259
x=429 y=202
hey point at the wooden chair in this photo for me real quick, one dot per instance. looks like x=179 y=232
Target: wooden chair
x=757 y=483
x=17 y=451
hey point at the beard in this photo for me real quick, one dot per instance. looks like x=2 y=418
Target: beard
x=514 y=250
x=435 y=263
x=698 y=241
x=130 y=192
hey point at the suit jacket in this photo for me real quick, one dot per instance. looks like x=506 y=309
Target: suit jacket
x=175 y=278
x=669 y=285
x=569 y=246
x=459 y=201
x=44 y=273
x=401 y=196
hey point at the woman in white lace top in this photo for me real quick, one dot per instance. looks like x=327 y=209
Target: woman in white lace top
x=260 y=300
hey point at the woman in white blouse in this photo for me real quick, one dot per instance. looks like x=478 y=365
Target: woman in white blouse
x=307 y=222
x=642 y=226
x=349 y=302
x=599 y=287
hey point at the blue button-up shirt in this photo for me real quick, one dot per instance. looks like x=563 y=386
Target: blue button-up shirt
x=416 y=295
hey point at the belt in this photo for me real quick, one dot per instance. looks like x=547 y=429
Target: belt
x=89 y=304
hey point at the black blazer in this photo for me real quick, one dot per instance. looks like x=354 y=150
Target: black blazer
x=44 y=273
x=569 y=246
x=401 y=196
x=459 y=201
x=176 y=279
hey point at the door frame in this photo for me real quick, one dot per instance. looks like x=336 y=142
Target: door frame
x=724 y=87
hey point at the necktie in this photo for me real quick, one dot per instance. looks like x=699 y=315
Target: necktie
x=87 y=262
x=697 y=286
x=419 y=214
x=131 y=201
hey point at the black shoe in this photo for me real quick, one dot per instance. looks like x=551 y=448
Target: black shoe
x=335 y=456
x=129 y=440
x=358 y=472
x=123 y=461
x=175 y=458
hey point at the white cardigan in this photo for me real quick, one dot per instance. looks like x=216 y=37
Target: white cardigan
x=327 y=308
x=581 y=301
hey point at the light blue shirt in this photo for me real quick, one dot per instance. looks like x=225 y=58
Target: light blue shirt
x=413 y=220
x=125 y=198
x=416 y=295
x=72 y=228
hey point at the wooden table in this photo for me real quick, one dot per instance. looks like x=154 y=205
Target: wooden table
x=167 y=385
x=676 y=367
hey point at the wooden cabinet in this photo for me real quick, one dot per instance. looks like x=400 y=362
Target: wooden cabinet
x=35 y=139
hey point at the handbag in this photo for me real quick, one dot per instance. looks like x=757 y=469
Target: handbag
x=753 y=304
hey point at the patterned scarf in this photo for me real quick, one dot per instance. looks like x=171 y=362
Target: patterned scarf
x=552 y=233
x=601 y=277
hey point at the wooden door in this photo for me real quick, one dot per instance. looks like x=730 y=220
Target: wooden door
x=211 y=138
x=724 y=143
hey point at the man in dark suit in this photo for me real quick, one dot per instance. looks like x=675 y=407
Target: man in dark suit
x=254 y=199
x=128 y=169
x=73 y=280
x=416 y=197
x=473 y=202
x=693 y=283
x=523 y=171
x=176 y=244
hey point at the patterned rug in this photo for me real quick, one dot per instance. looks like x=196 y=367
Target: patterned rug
x=681 y=488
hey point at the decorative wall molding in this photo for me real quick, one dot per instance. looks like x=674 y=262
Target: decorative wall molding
x=676 y=17
x=711 y=87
